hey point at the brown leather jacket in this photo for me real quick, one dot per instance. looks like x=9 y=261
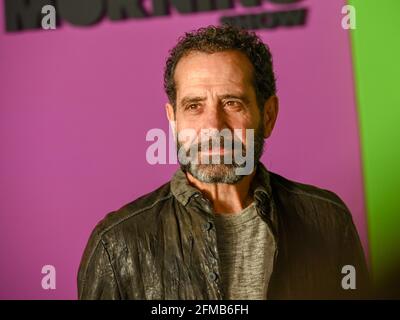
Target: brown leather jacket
x=163 y=245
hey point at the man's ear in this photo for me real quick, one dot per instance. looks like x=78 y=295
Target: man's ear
x=169 y=109
x=271 y=108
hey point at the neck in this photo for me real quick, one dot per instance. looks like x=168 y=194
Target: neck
x=226 y=198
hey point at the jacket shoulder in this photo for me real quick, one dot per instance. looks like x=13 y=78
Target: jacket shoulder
x=136 y=208
x=96 y=254
x=307 y=192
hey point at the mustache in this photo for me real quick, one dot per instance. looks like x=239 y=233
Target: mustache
x=221 y=142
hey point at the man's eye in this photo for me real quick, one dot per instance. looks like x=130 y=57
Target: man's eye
x=233 y=104
x=192 y=107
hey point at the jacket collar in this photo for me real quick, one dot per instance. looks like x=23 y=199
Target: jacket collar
x=181 y=188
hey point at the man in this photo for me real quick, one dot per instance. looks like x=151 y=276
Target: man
x=213 y=232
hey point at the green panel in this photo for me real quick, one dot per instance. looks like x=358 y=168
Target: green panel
x=376 y=56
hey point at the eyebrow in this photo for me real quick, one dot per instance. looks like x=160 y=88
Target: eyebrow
x=242 y=97
x=186 y=100
x=190 y=99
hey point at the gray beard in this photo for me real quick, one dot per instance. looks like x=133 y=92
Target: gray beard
x=224 y=173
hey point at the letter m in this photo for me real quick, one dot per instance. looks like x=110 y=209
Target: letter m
x=24 y=14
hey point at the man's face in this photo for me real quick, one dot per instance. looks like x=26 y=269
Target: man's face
x=215 y=92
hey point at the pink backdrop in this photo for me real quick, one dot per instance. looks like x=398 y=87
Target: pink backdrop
x=75 y=107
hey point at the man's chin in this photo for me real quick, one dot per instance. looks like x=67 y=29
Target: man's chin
x=214 y=173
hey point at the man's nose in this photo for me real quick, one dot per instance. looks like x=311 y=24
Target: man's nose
x=214 y=119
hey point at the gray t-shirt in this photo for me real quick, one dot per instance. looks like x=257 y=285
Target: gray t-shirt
x=246 y=249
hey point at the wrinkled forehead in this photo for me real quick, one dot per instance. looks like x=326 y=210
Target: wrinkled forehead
x=220 y=71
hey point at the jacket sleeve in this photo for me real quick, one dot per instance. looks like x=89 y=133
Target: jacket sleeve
x=96 y=277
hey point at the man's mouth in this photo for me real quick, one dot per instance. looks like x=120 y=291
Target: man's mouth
x=219 y=151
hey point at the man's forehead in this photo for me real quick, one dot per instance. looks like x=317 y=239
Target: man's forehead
x=224 y=72
x=219 y=65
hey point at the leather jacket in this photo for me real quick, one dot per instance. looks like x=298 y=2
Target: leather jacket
x=163 y=245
